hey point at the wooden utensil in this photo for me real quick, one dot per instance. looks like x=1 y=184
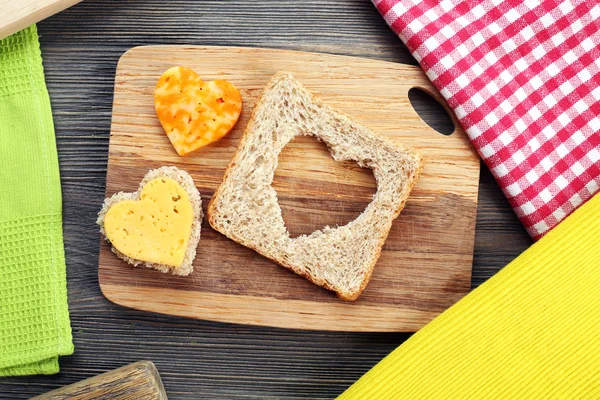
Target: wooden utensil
x=19 y=14
x=137 y=381
x=425 y=265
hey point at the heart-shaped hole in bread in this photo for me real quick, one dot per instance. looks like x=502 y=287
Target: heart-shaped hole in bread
x=195 y=113
x=324 y=192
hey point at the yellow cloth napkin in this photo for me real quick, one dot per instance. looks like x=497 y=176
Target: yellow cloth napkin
x=530 y=332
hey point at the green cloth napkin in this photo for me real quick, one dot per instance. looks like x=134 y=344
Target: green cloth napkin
x=34 y=318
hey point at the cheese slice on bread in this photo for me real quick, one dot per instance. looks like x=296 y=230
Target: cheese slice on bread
x=245 y=207
x=158 y=225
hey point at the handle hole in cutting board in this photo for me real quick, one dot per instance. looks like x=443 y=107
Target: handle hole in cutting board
x=315 y=191
x=431 y=111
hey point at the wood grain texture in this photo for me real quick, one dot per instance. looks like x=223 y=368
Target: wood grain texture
x=198 y=359
x=137 y=381
x=425 y=264
x=19 y=14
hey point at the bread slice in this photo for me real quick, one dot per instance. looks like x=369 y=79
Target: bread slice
x=245 y=207
x=187 y=183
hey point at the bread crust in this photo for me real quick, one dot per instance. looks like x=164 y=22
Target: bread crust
x=187 y=183
x=212 y=212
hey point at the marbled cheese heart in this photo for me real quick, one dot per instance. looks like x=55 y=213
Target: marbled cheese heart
x=157 y=227
x=195 y=113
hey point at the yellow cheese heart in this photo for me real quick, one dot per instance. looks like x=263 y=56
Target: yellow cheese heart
x=157 y=227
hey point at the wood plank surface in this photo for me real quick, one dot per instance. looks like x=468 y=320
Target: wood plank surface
x=18 y=14
x=425 y=264
x=198 y=359
x=137 y=381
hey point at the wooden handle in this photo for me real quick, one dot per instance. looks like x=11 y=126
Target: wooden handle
x=139 y=381
x=433 y=92
x=19 y=14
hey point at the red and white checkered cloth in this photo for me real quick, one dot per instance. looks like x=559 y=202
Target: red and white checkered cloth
x=523 y=78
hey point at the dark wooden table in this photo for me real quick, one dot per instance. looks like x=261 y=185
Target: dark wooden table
x=199 y=359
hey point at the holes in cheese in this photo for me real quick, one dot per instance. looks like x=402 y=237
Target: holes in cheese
x=195 y=113
x=157 y=227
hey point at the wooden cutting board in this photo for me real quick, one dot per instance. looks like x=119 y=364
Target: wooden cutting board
x=137 y=381
x=19 y=14
x=425 y=265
